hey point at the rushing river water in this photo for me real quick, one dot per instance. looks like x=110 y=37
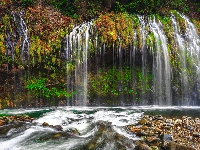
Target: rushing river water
x=83 y=127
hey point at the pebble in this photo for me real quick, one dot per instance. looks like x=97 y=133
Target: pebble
x=158 y=131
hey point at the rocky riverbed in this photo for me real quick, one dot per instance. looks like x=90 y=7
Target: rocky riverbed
x=158 y=132
x=155 y=132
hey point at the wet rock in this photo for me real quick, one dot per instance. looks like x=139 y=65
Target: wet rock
x=196 y=134
x=54 y=136
x=178 y=122
x=168 y=120
x=73 y=131
x=142 y=147
x=123 y=120
x=4 y=129
x=45 y=124
x=152 y=139
x=141 y=133
x=158 y=130
x=154 y=147
x=175 y=146
x=144 y=127
x=159 y=117
x=184 y=131
x=143 y=121
x=1 y=122
x=56 y=127
x=166 y=137
x=9 y=122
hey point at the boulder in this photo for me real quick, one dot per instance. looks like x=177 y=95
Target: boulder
x=142 y=146
x=175 y=146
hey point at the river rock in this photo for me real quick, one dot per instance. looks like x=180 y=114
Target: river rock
x=154 y=147
x=196 y=134
x=1 y=122
x=142 y=147
x=16 y=121
x=141 y=133
x=166 y=137
x=54 y=136
x=143 y=121
x=56 y=127
x=175 y=146
x=184 y=131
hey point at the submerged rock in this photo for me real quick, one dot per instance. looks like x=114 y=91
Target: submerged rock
x=56 y=127
x=16 y=121
x=54 y=136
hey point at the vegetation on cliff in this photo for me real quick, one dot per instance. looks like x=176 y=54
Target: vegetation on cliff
x=36 y=66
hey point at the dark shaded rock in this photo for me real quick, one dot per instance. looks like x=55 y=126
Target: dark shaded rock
x=15 y=121
x=56 y=127
x=73 y=131
x=53 y=136
x=45 y=124
x=141 y=133
x=175 y=146
x=196 y=134
x=4 y=129
x=142 y=147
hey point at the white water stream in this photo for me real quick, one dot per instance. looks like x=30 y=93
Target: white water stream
x=87 y=120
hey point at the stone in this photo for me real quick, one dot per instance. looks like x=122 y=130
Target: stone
x=141 y=133
x=166 y=137
x=45 y=124
x=1 y=122
x=159 y=117
x=154 y=147
x=196 y=134
x=58 y=128
x=142 y=147
x=175 y=146
x=158 y=130
x=152 y=139
x=143 y=121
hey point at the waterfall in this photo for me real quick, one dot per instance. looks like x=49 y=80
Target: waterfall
x=153 y=61
x=161 y=67
x=77 y=51
x=22 y=30
x=157 y=52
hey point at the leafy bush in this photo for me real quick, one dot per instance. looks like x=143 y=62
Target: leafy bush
x=115 y=82
x=27 y=2
x=39 y=88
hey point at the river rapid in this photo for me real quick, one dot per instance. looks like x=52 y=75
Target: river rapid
x=102 y=128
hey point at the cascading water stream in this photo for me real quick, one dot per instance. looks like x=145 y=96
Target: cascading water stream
x=180 y=44
x=77 y=50
x=141 y=72
x=161 y=67
x=82 y=127
x=156 y=51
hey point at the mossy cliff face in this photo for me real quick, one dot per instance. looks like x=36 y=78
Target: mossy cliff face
x=115 y=57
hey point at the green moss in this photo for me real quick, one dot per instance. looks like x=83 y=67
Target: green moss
x=115 y=82
x=180 y=21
